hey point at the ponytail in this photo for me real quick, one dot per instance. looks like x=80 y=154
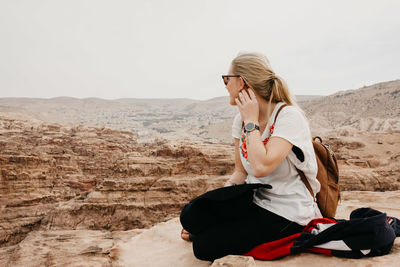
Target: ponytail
x=256 y=70
x=280 y=91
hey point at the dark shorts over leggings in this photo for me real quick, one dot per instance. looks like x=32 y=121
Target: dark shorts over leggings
x=232 y=227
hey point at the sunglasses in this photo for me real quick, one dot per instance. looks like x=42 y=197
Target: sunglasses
x=226 y=79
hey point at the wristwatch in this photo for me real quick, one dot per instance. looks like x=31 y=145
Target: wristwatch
x=249 y=127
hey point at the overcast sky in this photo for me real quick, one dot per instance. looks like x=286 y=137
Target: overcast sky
x=178 y=49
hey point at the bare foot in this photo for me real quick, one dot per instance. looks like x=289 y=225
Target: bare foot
x=185 y=235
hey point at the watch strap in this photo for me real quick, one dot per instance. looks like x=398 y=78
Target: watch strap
x=256 y=127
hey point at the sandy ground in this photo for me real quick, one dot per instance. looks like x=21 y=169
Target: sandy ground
x=161 y=245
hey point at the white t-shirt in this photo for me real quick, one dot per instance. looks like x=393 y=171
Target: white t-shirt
x=289 y=196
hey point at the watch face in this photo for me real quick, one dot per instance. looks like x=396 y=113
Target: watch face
x=249 y=126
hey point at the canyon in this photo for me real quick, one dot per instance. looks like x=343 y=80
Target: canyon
x=88 y=192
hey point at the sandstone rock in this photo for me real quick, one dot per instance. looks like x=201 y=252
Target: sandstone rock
x=57 y=178
x=62 y=248
x=162 y=246
x=234 y=261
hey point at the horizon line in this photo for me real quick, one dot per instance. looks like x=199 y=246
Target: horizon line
x=176 y=98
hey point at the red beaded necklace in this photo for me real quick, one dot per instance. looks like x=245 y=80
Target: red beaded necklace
x=243 y=146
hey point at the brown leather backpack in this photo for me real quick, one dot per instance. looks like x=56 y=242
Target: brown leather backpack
x=327 y=175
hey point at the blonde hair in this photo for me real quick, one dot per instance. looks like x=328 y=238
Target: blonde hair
x=256 y=71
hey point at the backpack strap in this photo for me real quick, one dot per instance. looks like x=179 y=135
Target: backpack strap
x=279 y=110
x=305 y=181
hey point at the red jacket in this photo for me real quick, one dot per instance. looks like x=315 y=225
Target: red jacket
x=368 y=233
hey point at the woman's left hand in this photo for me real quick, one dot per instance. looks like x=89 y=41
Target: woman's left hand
x=248 y=106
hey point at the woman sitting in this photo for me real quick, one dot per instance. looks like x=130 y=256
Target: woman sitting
x=266 y=152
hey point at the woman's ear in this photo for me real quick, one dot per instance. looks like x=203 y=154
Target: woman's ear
x=243 y=84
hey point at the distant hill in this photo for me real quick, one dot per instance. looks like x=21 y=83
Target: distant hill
x=374 y=108
x=303 y=98
x=381 y=100
x=97 y=111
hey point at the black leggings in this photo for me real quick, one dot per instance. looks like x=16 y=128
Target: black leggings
x=232 y=227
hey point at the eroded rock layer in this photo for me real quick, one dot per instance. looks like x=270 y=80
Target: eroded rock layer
x=55 y=177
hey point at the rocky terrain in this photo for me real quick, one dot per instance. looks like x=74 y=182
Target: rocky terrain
x=55 y=177
x=105 y=182
x=63 y=184
x=372 y=109
x=147 y=118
